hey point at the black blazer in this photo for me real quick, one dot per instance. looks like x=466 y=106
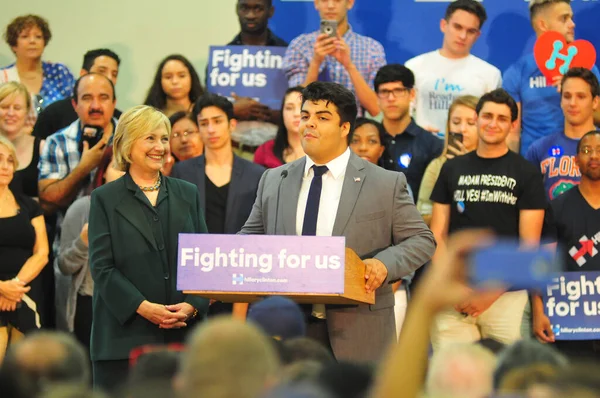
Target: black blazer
x=127 y=266
x=245 y=177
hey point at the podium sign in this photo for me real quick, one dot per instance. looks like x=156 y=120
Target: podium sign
x=251 y=263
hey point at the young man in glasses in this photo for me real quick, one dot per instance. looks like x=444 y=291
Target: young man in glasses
x=452 y=71
x=409 y=148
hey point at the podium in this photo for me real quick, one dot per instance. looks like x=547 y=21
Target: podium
x=342 y=283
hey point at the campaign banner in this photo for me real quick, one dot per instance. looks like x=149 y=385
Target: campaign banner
x=261 y=263
x=572 y=302
x=248 y=71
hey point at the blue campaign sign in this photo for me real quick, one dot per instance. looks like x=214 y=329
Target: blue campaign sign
x=248 y=71
x=572 y=302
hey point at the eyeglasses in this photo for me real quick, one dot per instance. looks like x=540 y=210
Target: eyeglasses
x=588 y=151
x=400 y=92
x=186 y=133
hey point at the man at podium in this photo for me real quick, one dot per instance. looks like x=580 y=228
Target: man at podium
x=333 y=192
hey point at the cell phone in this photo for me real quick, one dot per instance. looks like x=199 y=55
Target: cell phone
x=453 y=138
x=329 y=28
x=90 y=134
x=507 y=265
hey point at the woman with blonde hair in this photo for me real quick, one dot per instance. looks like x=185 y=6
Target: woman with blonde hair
x=133 y=230
x=15 y=104
x=462 y=119
x=23 y=254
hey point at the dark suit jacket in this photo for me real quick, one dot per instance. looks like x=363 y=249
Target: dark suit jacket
x=245 y=177
x=127 y=266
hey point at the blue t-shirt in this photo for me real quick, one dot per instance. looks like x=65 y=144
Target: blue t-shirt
x=541 y=114
x=555 y=155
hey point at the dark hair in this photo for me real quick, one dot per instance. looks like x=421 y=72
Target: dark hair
x=78 y=81
x=161 y=364
x=584 y=74
x=588 y=134
x=361 y=121
x=336 y=94
x=535 y=6
x=471 y=6
x=177 y=116
x=216 y=100
x=303 y=349
x=347 y=379
x=524 y=353
x=394 y=73
x=499 y=96
x=19 y=24
x=281 y=139
x=268 y=3
x=156 y=95
x=90 y=57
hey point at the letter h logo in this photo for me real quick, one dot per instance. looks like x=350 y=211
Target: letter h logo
x=237 y=279
x=556 y=54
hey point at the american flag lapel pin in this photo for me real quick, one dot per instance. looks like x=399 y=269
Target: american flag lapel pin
x=356 y=179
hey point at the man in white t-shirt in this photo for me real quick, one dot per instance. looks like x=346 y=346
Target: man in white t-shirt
x=452 y=71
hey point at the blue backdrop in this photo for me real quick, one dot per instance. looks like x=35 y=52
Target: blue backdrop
x=411 y=27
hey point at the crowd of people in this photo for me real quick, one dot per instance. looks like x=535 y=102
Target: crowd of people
x=416 y=165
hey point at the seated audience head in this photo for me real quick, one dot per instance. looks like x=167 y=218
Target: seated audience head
x=254 y=15
x=242 y=360
x=394 y=85
x=462 y=118
x=368 y=139
x=346 y=379
x=175 y=79
x=214 y=115
x=186 y=142
x=579 y=96
x=528 y=379
x=552 y=15
x=289 y=123
x=301 y=372
x=578 y=380
x=161 y=364
x=305 y=349
x=461 y=370
x=45 y=358
x=141 y=140
x=94 y=100
x=497 y=114
x=102 y=61
x=461 y=27
x=525 y=353
x=328 y=116
x=73 y=391
x=27 y=36
x=279 y=317
x=334 y=10
x=298 y=390
x=15 y=104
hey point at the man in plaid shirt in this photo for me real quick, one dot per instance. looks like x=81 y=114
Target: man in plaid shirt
x=68 y=164
x=349 y=59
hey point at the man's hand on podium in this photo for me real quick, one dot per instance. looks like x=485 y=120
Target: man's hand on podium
x=375 y=274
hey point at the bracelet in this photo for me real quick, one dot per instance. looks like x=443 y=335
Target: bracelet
x=194 y=314
x=16 y=278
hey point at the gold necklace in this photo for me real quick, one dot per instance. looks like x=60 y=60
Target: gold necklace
x=152 y=188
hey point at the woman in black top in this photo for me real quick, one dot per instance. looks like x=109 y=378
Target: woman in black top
x=15 y=104
x=23 y=254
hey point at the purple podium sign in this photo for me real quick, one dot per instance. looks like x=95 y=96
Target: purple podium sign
x=261 y=263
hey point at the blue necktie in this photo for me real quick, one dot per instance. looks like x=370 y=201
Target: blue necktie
x=312 y=204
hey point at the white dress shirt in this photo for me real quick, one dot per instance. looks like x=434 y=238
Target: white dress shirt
x=331 y=193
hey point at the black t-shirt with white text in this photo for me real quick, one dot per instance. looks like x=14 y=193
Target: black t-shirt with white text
x=577 y=231
x=489 y=192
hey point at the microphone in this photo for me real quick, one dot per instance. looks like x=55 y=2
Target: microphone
x=284 y=174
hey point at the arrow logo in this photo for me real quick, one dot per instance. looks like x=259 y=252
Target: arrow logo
x=587 y=247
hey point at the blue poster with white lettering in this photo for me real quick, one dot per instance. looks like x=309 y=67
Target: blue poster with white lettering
x=248 y=71
x=572 y=302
